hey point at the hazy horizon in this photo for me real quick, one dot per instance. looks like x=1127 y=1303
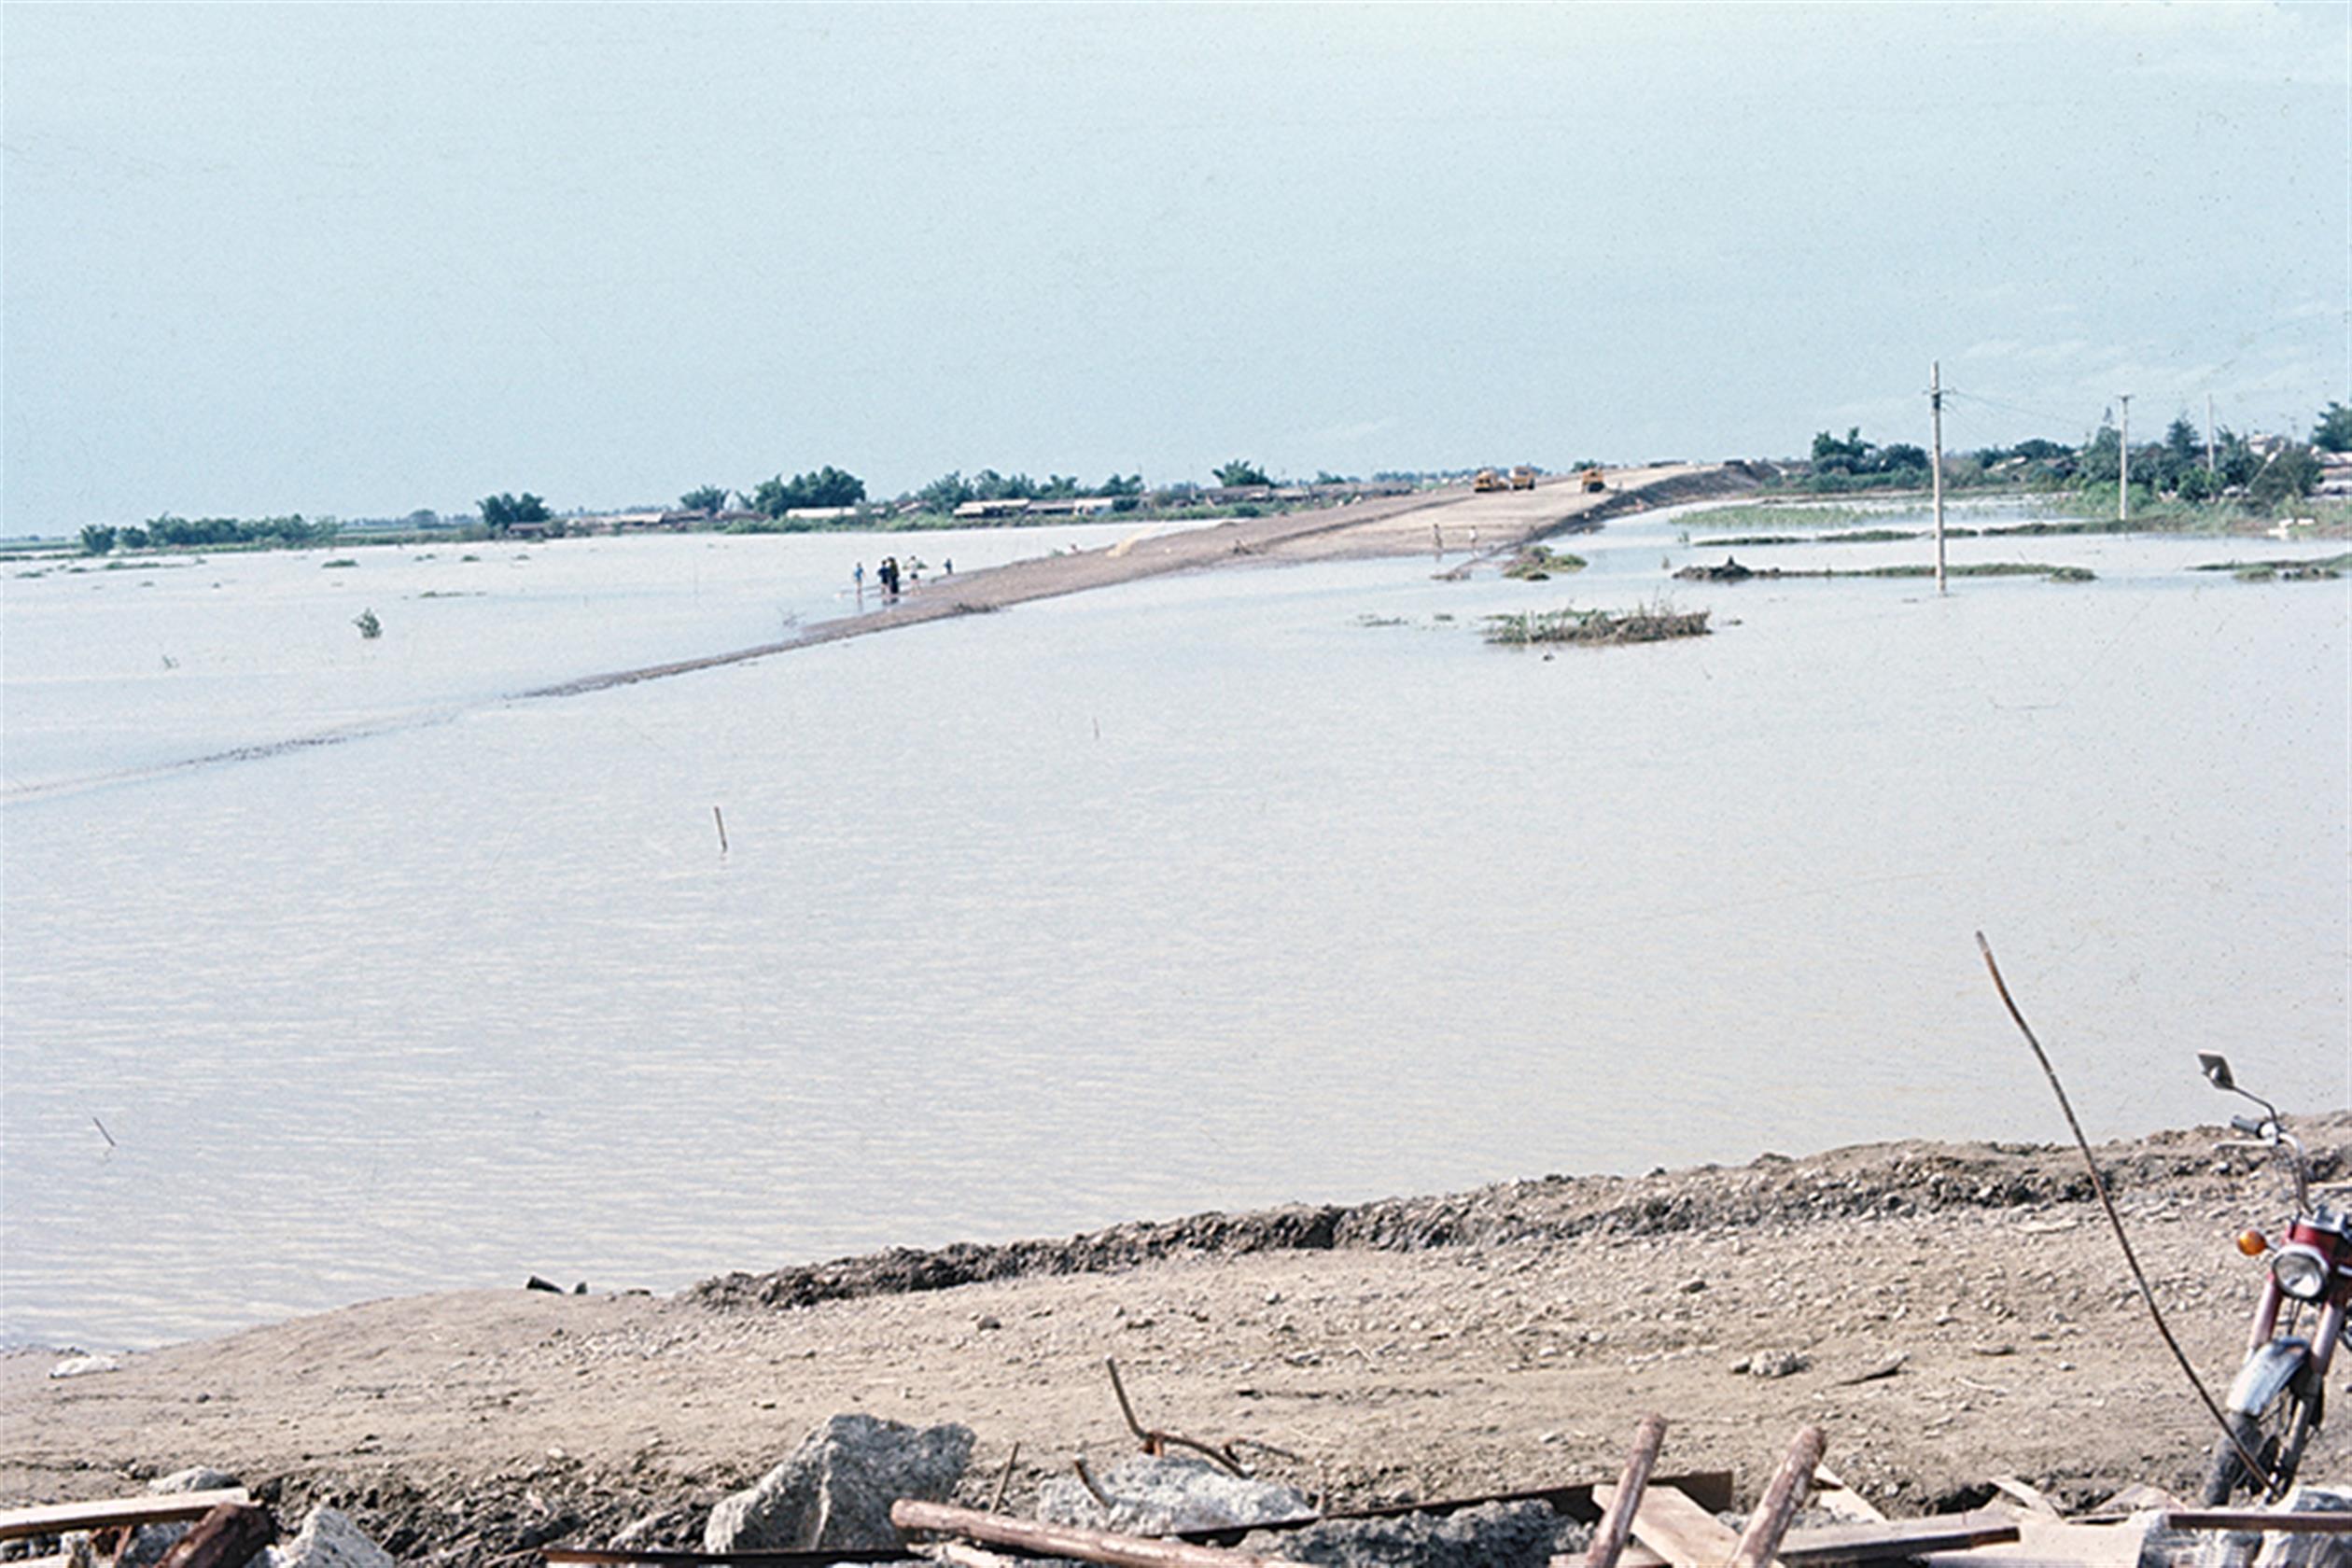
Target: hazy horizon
x=359 y=260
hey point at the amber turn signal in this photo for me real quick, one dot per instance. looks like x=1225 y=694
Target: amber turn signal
x=2252 y=1243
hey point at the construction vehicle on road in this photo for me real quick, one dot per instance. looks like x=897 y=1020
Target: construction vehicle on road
x=1487 y=480
x=1591 y=478
x=1523 y=478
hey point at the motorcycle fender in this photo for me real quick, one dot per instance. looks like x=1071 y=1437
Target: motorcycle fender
x=2268 y=1369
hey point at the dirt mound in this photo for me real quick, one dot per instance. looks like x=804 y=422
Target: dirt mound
x=1870 y=1179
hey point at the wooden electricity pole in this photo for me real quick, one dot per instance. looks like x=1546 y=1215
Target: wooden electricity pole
x=1935 y=418
x=2210 y=469
x=2123 y=462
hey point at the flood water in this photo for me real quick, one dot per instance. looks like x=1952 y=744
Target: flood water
x=1214 y=890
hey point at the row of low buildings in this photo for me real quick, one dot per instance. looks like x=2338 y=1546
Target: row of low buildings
x=998 y=509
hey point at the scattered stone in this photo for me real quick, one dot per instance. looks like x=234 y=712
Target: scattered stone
x=1492 y=1535
x=986 y=1322
x=1776 y=1363
x=327 y=1539
x=82 y=1365
x=538 y=1283
x=836 y=1489
x=664 y=1528
x=1886 y=1368
x=1155 y=1494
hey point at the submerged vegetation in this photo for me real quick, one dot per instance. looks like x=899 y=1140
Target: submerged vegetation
x=1653 y=623
x=2317 y=568
x=1538 y=561
x=1731 y=571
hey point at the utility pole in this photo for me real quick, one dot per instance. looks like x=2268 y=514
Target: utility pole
x=1935 y=415
x=2211 y=467
x=2123 y=462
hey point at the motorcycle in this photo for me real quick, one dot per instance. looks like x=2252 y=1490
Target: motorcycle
x=2276 y=1402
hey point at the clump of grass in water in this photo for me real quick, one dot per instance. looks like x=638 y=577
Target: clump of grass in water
x=1653 y=623
x=2317 y=569
x=369 y=627
x=1536 y=563
x=338 y=561
x=1370 y=620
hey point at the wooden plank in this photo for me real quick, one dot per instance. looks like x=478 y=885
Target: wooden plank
x=1677 y=1529
x=1884 y=1539
x=2296 y=1523
x=1064 y=1540
x=1616 y=1521
x=666 y=1557
x=53 y=1519
x=1759 y=1543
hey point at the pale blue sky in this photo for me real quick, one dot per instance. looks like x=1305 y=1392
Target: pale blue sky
x=356 y=260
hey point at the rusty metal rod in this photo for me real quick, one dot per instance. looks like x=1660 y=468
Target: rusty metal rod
x=1156 y=1441
x=2246 y=1456
x=1005 y=1476
x=1060 y=1540
x=1761 y=1539
x=1085 y=1478
x=1609 y=1537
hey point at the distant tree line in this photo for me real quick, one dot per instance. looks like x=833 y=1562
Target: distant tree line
x=168 y=532
x=2262 y=474
x=952 y=489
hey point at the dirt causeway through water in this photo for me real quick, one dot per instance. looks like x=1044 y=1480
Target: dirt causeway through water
x=1946 y=1313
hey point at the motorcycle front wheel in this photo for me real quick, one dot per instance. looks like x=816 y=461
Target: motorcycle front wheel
x=2274 y=1435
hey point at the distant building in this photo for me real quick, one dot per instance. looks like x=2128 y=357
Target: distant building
x=1005 y=506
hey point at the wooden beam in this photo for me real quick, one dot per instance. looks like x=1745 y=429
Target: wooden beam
x=2293 y=1523
x=1616 y=1521
x=54 y=1519
x=1063 y=1540
x=1678 y=1529
x=1761 y=1539
x=1897 y=1538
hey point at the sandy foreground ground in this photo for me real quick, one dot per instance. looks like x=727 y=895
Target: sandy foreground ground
x=1948 y=1313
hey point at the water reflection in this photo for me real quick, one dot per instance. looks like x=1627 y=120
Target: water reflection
x=1199 y=892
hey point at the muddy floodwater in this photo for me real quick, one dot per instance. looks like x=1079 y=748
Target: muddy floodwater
x=1215 y=890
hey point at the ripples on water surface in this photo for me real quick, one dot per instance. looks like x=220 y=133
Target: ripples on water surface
x=1199 y=892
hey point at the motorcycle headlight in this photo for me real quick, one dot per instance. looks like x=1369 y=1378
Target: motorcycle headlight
x=2301 y=1272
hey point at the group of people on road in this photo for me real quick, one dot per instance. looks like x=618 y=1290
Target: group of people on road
x=889 y=574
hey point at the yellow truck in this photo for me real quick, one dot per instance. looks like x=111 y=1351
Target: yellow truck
x=1487 y=480
x=1591 y=480
x=1523 y=478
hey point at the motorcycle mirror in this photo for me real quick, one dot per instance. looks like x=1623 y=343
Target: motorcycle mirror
x=2216 y=1069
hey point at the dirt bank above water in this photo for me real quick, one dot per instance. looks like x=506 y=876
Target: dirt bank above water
x=1946 y=1313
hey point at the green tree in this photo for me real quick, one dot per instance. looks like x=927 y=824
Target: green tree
x=133 y=539
x=703 y=498
x=1832 y=456
x=97 y=540
x=2334 y=431
x=2180 y=440
x=1131 y=485
x=502 y=512
x=944 y=493
x=828 y=486
x=2292 y=473
x=1241 y=471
